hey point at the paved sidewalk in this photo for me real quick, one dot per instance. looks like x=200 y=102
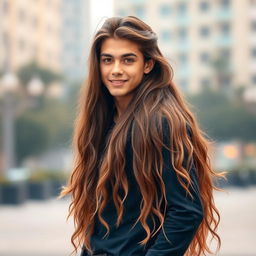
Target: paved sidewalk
x=40 y=228
x=35 y=229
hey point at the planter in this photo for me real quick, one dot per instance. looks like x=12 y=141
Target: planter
x=13 y=193
x=39 y=190
x=56 y=187
x=221 y=182
x=242 y=178
x=252 y=177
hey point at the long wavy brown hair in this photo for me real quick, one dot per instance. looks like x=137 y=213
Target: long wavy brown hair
x=156 y=97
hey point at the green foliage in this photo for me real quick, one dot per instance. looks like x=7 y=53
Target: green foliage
x=26 y=73
x=224 y=118
x=57 y=117
x=48 y=123
x=32 y=138
x=49 y=126
x=40 y=175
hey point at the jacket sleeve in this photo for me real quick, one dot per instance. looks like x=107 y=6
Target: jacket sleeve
x=183 y=215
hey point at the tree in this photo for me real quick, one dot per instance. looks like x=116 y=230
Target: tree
x=32 y=138
x=27 y=72
x=222 y=118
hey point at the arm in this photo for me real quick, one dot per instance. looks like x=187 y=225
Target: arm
x=183 y=214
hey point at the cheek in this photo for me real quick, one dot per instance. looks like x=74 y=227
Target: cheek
x=139 y=74
x=136 y=71
x=103 y=72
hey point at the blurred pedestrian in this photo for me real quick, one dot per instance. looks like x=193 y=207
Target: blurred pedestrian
x=142 y=180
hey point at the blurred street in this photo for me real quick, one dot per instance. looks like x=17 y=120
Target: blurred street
x=40 y=229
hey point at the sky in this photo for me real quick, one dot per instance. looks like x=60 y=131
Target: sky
x=100 y=9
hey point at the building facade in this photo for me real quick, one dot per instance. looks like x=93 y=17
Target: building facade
x=75 y=37
x=30 y=31
x=208 y=43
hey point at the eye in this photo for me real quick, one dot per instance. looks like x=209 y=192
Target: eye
x=128 y=60
x=106 y=60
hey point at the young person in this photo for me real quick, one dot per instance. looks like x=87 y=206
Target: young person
x=142 y=180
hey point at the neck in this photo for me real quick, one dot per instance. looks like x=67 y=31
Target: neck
x=121 y=105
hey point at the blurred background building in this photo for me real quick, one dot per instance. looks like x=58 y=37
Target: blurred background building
x=54 y=34
x=43 y=54
x=30 y=31
x=211 y=46
x=75 y=34
x=207 y=42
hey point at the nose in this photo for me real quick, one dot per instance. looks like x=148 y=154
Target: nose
x=117 y=69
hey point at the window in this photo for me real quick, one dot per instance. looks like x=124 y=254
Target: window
x=253 y=25
x=49 y=28
x=22 y=15
x=181 y=8
x=68 y=47
x=35 y=22
x=253 y=79
x=6 y=39
x=165 y=10
x=183 y=58
x=205 y=57
x=182 y=34
x=140 y=12
x=21 y=44
x=205 y=82
x=34 y=49
x=226 y=81
x=76 y=11
x=225 y=3
x=225 y=29
x=78 y=60
x=183 y=84
x=5 y=7
x=204 y=6
x=166 y=35
x=68 y=22
x=49 y=55
x=253 y=53
x=225 y=53
x=204 y=31
x=78 y=35
x=121 y=12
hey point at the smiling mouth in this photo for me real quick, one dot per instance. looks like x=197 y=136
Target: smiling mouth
x=117 y=82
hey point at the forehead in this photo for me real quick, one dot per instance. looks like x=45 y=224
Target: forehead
x=118 y=47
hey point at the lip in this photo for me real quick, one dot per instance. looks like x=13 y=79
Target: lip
x=117 y=82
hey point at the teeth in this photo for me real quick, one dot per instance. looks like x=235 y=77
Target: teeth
x=117 y=81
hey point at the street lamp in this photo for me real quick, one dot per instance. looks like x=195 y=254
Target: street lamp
x=55 y=90
x=9 y=83
x=9 y=86
x=35 y=87
x=250 y=94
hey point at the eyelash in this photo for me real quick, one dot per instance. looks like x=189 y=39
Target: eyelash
x=106 y=60
x=129 y=60
x=126 y=60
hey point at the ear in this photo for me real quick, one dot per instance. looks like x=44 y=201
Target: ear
x=149 y=66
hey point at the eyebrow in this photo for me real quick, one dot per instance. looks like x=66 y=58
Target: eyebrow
x=130 y=54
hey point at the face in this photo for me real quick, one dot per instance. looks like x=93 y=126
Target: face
x=122 y=67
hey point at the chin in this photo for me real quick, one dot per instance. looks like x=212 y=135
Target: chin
x=116 y=94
